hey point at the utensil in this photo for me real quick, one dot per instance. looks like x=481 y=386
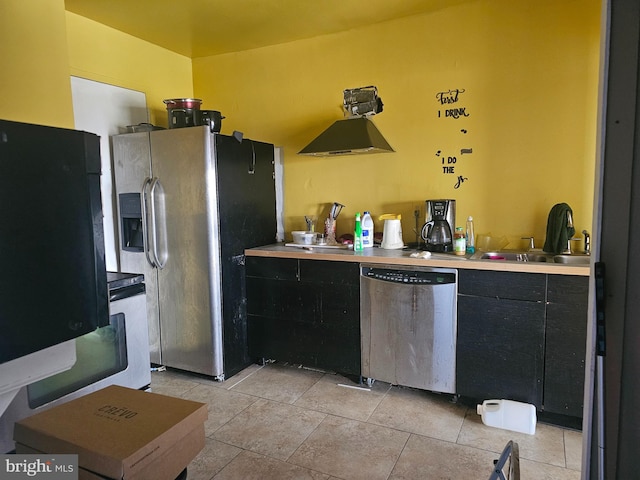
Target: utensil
x=336 y=208
x=311 y=222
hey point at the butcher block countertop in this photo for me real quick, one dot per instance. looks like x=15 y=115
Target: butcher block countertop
x=402 y=257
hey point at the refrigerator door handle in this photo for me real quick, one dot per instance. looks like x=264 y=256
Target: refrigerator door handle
x=159 y=260
x=146 y=231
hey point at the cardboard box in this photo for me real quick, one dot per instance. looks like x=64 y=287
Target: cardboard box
x=119 y=433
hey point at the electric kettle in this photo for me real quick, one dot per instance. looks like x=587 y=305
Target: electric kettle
x=392 y=232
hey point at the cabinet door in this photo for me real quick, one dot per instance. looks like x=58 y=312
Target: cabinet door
x=500 y=349
x=336 y=287
x=305 y=312
x=511 y=285
x=500 y=336
x=279 y=326
x=566 y=337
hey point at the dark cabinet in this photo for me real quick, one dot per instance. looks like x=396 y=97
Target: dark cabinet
x=565 y=347
x=304 y=311
x=500 y=348
x=522 y=336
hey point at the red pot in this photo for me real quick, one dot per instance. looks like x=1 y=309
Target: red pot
x=190 y=103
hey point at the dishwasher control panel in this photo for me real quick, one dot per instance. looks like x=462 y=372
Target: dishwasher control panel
x=409 y=276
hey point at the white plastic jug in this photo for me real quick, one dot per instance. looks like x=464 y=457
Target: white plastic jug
x=510 y=415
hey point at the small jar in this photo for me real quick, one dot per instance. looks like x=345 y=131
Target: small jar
x=321 y=239
x=459 y=242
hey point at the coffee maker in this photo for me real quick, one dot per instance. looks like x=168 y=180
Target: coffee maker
x=437 y=232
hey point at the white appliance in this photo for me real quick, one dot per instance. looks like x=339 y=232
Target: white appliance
x=117 y=354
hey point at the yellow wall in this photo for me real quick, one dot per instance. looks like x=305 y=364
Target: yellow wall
x=529 y=72
x=103 y=54
x=42 y=45
x=34 y=72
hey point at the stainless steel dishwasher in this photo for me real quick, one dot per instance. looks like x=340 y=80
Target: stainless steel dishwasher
x=408 y=322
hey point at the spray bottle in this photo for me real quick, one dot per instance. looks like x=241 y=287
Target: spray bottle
x=357 y=235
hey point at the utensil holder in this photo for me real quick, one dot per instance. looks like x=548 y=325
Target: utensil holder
x=330 y=230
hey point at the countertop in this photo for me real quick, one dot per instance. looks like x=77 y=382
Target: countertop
x=377 y=255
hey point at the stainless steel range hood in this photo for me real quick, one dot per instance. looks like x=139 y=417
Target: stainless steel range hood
x=349 y=136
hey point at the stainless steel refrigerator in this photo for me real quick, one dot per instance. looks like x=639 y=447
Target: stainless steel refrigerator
x=189 y=202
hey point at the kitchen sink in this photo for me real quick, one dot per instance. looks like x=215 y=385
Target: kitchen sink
x=535 y=256
x=572 y=259
x=513 y=256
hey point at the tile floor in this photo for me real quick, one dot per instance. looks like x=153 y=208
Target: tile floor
x=283 y=422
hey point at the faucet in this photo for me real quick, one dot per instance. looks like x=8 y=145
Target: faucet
x=587 y=242
x=532 y=244
x=568 y=251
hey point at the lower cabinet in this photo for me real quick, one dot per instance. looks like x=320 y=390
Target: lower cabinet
x=500 y=349
x=565 y=347
x=522 y=336
x=304 y=311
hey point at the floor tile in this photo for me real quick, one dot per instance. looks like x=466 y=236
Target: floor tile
x=213 y=458
x=420 y=412
x=337 y=395
x=283 y=422
x=543 y=471
x=253 y=466
x=230 y=383
x=351 y=449
x=573 y=449
x=281 y=383
x=547 y=445
x=270 y=428
x=429 y=458
x=171 y=383
x=223 y=405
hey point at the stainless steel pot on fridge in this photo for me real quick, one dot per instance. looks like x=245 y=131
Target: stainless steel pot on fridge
x=186 y=112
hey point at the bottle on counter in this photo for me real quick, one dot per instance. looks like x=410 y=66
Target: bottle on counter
x=357 y=235
x=367 y=230
x=471 y=236
x=459 y=242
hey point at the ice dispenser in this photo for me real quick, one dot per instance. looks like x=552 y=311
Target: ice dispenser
x=131 y=222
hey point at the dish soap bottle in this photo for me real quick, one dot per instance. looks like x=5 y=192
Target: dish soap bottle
x=459 y=242
x=471 y=236
x=367 y=230
x=357 y=235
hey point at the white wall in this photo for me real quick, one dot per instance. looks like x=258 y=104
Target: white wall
x=106 y=110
